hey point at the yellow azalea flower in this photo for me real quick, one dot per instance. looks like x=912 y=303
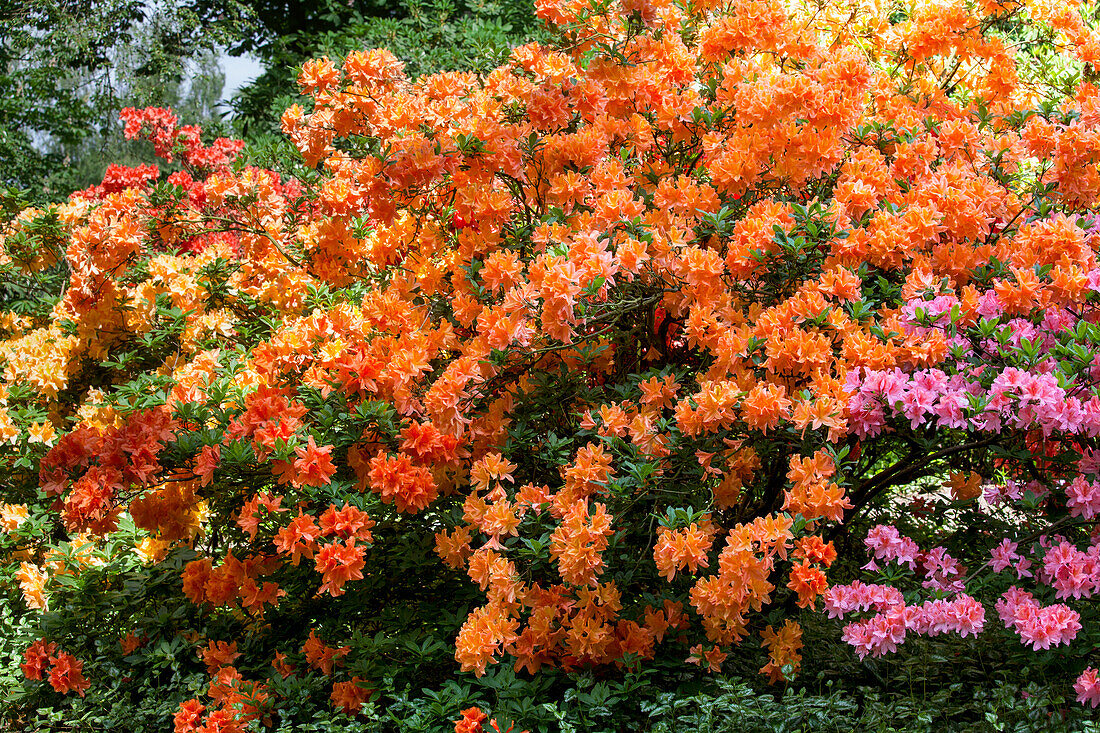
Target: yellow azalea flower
x=11 y=516
x=151 y=550
x=8 y=431
x=32 y=582
x=41 y=432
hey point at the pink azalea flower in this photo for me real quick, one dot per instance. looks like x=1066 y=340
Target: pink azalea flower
x=1083 y=498
x=1087 y=686
x=1004 y=555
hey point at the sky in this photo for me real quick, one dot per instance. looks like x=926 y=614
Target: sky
x=239 y=70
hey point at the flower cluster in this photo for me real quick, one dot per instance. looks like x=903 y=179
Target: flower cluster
x=696 y=297
x=63 y=670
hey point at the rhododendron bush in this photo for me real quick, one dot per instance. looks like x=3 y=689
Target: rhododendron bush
x=597 y=361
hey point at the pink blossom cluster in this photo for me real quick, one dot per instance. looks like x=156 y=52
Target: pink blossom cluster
x=941 y=571
x=880 y=634
x=1010 y=491
x=1041 y=627
x=883 y=632
x=921 y=317
x=857 y=596
x=962 y=614
x=1090 y=457
x=893 y=619
x=1016 y=399
x=1083 y=498
x=886 y=543
x=1087 y=688
x=1042 y=395
x=1072 y=572
x=1005 y=556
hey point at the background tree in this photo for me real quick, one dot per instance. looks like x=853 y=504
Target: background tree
x=67 y=67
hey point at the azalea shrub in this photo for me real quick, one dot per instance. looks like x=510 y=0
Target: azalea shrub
x=627 y=355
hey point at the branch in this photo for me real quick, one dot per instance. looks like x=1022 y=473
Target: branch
x=910 y=468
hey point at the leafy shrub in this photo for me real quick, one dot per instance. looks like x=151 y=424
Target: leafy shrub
x=577 y=376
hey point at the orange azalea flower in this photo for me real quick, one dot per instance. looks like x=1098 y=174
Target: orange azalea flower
x=764 y=406
x=577 y=544
x=37 y=658
x=298 y=539
x=322 y=657
x=965 y=487
x=249 y=517
x=491 y=466
x=350 y=695
x=453 y=548
x=42 y=432
x=677 y=549
x=471 y=721
x=484 y=633
x=808 y=582
x=347 y=522
x=65 y=674
x=712 y=657
x=589 y=473
x=319 y=75
x=814 y=549
x=411 y=488
x=219 y=654
x=313 y=466
x=501 y=519
x=281 y=665
x=195 y=577
x=131 y=643
x=783 y=646
x=339 y=563
x=188 y=717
